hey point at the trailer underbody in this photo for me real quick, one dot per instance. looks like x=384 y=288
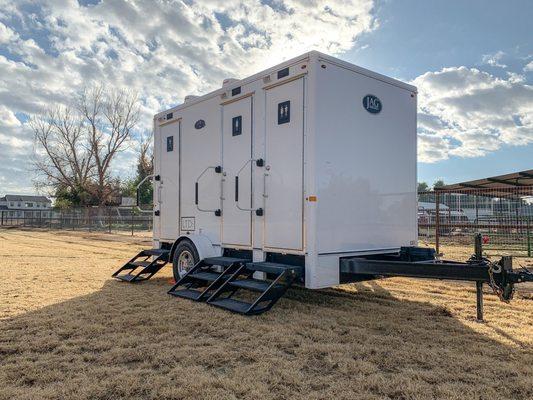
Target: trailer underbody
x=216 y=280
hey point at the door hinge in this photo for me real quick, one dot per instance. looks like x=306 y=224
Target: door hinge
x=259 y=212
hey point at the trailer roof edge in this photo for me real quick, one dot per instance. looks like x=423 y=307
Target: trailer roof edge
x=239 y=82
x=367 y=72
x=303 y=57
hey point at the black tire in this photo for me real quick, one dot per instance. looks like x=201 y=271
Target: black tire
x=184 y=247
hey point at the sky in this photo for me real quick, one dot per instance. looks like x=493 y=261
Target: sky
x=472 y=62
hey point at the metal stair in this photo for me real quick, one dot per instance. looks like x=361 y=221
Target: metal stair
x=206 y=276
x=151 y=261
x=279 y=278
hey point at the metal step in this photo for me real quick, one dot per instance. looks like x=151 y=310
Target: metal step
x=128 y=266
x=140 y=263
x=237 y=306
x=205 y=276
x=130 y=278
x=224 y=261
x=200 y=276
x=254 y=284
x=149 y=267
x=273 y=268
x=155 y=252
x=190 y=294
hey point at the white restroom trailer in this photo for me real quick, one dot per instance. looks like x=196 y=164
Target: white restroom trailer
x=309 y=161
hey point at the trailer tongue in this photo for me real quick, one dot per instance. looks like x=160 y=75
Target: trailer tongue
x=416 y=262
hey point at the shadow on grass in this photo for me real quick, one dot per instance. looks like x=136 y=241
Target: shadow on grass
x=135 y=341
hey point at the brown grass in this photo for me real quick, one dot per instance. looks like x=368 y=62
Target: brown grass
x=69 y=331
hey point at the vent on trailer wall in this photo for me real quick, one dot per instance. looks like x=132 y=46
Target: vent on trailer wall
x=229 y=81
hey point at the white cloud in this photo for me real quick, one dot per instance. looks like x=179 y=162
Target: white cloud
x=6 y=34
x=50 y=49
x=529 y=67
x=7 y=118
x=494 y=59
x=468 y=113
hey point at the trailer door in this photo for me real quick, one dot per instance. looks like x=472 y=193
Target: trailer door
x=237 y=163
x=167 y=189
x=284 y=166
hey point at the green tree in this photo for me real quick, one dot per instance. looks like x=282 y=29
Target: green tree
x=145 y=167
x=423 y=187
x=71 y=196
x=438 y=184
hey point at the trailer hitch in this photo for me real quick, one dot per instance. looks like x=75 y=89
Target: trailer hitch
x=502 y=277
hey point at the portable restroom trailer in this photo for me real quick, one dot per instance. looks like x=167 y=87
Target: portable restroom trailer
x=306 y=173
x=303 y=173
x=302 y=164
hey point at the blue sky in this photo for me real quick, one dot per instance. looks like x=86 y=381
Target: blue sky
x=419 y=36
x=471 y=60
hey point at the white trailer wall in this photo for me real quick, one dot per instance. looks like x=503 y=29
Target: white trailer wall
x=364 y=167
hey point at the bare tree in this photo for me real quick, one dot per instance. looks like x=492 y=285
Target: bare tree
x=145 y=166
x=109 y=119
x=62 y=155
x=75 y=146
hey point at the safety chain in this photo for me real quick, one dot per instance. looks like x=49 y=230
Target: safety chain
x=493 y=267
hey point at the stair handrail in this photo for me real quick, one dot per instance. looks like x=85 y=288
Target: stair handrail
x=259 y=162
x=218 y=169
x=137 y=194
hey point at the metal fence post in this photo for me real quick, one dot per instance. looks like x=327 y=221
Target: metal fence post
x=132 y=221
x=528 y=237
x=479 y=301
x=437 y=220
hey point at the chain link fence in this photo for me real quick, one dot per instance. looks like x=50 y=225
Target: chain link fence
x=97 y=219
x=504 y=216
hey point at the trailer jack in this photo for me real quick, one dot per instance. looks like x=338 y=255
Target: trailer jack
x=417 y=262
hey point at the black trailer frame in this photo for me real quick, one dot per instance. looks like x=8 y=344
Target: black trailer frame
x=418 y=262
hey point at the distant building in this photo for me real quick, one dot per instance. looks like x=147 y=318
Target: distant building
x=426 y=205
x=18 y=206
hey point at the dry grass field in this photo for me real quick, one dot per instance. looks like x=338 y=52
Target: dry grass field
x=67 y=330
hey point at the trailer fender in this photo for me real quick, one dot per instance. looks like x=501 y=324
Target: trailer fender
x=203 y=245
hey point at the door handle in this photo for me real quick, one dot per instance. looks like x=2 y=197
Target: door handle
x=159 y=190
x=237 y=189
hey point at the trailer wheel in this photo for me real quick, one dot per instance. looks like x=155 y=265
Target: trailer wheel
x=185 y=257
